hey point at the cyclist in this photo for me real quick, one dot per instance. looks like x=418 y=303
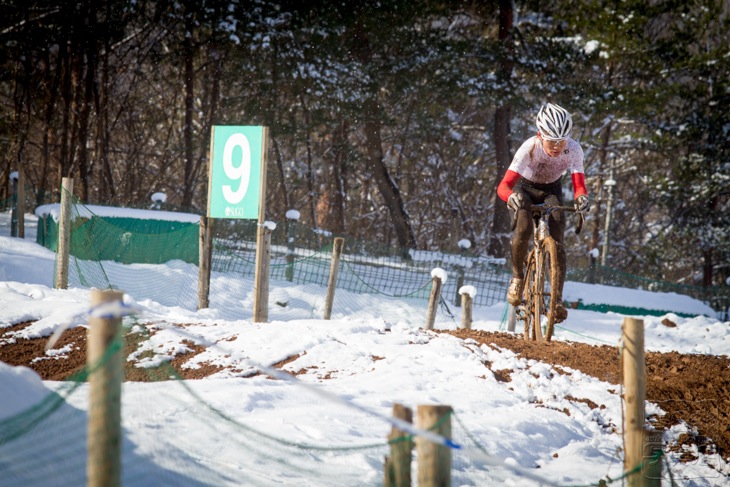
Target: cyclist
x=535 y=177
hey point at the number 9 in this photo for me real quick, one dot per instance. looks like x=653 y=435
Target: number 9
x=241 y=173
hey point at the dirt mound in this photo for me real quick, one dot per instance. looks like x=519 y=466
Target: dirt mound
x=692 y=388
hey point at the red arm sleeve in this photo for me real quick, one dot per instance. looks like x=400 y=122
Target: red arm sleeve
x=504 y=190
x=579 y=184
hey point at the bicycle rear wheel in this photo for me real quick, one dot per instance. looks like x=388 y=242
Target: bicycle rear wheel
x=548 y=291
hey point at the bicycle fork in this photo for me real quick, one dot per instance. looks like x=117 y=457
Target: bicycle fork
x=531 y=308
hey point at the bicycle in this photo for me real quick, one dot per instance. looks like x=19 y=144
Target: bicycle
x=539 y=298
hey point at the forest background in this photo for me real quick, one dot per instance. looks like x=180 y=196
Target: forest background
x=390 y=121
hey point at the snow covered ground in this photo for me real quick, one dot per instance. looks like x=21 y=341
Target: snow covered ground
x=528 y=431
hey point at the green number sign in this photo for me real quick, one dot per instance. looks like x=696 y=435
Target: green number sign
x=234 y=179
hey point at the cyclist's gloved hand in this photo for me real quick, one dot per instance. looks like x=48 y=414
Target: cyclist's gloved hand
x=582 y=202
x=515 y=201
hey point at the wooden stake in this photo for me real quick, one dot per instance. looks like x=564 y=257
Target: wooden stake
x=64 y=234
x=398 y=464
x=104 y=438
x=263 y=245
x=261 y=279
x=334 y=268
x=205 y=255
x=434 y=461
x=466 y=311
x=634 y=384
x=433 y=302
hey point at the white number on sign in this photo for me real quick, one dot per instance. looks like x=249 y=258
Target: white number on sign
x=240 y=173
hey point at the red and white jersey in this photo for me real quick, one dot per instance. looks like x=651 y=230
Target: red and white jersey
x=532 y=162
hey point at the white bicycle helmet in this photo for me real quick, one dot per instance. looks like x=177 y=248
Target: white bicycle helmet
x=554 y=122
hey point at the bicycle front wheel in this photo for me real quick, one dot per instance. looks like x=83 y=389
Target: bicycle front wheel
x=530 y=296
x=548 y=288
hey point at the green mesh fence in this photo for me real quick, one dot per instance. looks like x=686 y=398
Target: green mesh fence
x=122 y=252
x=718 y=298
x=124 y=240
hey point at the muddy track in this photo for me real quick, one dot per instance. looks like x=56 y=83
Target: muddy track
x=693 y=388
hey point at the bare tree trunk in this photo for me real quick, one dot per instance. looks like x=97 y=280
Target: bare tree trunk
x=499 y=242
x=708 y=261
x=275 y=121
x=707 y=265
x=361 y=226
x=596 y=231
x=87 y=68
x=213 y=101
x=21 y=122
x=76 y=97
x=45 y=162
x=189 y=83
x=331 y=203
x=282 y=177
x=387 y=187
x=108 y=190
x=67 y=96
x=323 y=207
x=311 y=194
x=337 y=204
